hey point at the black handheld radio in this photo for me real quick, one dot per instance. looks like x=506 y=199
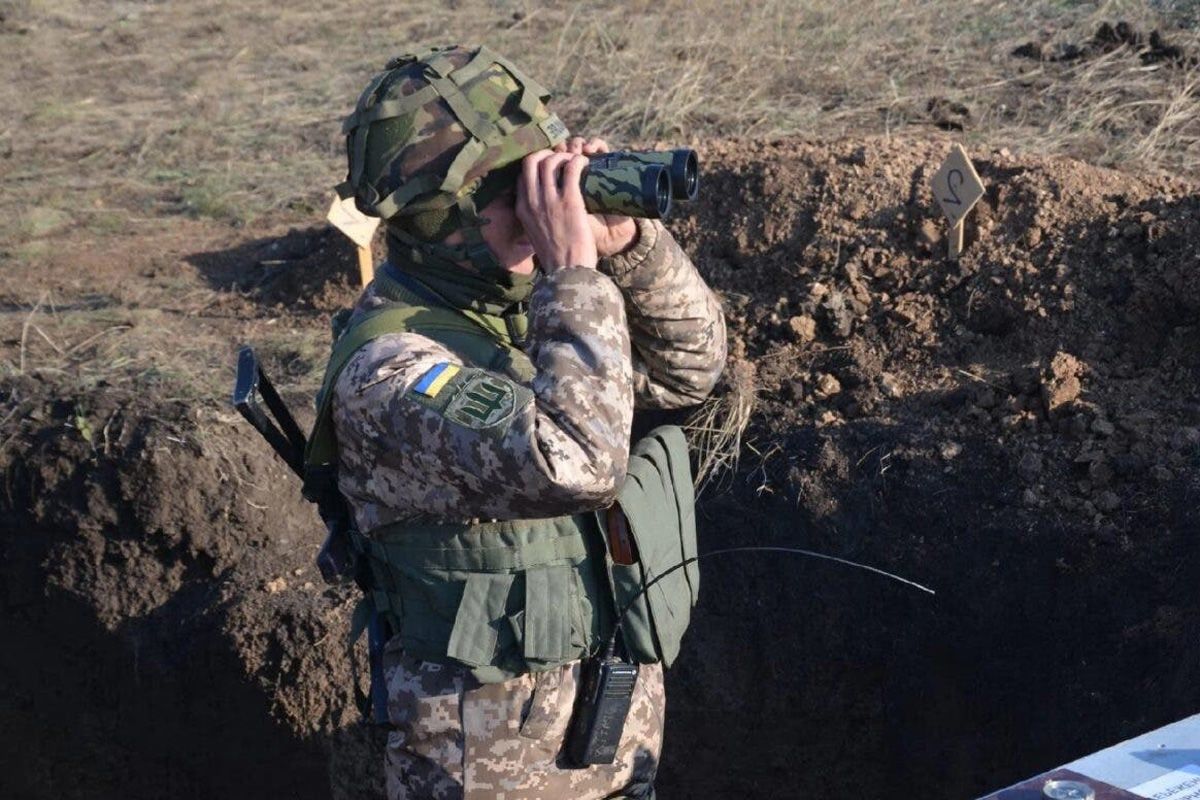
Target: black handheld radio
x=603 y=701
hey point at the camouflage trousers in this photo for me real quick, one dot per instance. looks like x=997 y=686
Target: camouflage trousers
x=458 y=739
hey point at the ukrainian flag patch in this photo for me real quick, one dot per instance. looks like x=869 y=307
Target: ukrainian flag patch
x=435 y=379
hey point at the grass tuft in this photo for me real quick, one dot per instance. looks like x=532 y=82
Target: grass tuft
x=715 y=430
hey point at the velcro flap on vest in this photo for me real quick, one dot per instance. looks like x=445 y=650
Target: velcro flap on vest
x=547 y=613
x=476 y=625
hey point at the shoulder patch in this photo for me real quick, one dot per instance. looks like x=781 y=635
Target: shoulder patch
x=471 y=397
x=483 y=401
x=435 y=379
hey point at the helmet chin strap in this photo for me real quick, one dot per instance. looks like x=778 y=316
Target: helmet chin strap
x=474 y=249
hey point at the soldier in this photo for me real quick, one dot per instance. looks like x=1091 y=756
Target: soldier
x=475 y=427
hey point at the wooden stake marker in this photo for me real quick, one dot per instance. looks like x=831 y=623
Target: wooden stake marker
x=957 y=188
x=360 y=228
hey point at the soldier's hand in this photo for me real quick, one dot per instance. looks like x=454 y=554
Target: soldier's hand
x=550 y=207
x=614 y=234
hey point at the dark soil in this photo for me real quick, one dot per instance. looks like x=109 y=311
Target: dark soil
x=1152 y=48
x=1019 y=430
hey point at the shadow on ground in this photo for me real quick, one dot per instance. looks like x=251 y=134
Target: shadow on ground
x=311 y=269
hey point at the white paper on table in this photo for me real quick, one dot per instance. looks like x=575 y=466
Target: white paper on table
x=1180 y=784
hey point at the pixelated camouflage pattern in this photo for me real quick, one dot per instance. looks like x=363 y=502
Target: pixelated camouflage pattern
x=425 y=141
x=657 y=341
x=651 y=333
x=676 y=324
x=564 y=450
x=457 y=739
x=626 y=188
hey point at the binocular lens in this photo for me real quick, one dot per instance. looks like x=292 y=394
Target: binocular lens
x=641 y=183
x=682 y=163
x=685 y=174
x=662 y=193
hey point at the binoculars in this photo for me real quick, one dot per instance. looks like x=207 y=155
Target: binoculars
x=640 y=183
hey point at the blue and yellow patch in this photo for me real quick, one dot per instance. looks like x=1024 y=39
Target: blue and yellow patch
x=471 y=397
x=435 y=379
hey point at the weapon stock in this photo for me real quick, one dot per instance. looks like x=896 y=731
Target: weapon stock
x=280 y=429
x=336 y=559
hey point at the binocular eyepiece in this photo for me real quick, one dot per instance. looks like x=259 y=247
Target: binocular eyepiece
x=640 y=183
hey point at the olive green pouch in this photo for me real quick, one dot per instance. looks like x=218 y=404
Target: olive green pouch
x=659 y=504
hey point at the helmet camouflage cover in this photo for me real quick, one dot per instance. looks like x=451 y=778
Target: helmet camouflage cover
x=429 y=127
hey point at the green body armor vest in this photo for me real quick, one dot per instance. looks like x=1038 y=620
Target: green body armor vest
x=508 y=597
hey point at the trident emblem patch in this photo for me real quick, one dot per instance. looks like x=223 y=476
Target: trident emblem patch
x=483 y=402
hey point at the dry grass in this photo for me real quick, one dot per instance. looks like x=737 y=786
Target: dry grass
x=121 y=114
x=168 y=352
x=715 y=430
x=1112 y=110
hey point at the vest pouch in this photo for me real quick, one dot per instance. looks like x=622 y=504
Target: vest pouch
x=659 y=505
x=500 y=598
x=547 y=623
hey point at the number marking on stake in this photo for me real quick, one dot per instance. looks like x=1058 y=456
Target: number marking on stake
x=956 y=185
x=954 y=179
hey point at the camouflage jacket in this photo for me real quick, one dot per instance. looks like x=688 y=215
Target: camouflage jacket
x=642 y=329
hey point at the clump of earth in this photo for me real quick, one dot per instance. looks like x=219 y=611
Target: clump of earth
x=1018 y=430
x=1152 y=48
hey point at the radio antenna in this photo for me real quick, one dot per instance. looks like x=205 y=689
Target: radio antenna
x=758 y=549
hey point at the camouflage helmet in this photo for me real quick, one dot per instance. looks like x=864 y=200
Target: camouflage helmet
x=428 y=131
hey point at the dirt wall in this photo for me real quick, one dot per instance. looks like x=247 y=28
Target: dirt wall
x=1019 y=431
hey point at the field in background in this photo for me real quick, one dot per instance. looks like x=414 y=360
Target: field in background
x=121 y=115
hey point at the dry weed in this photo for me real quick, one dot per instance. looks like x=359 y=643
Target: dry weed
x=715 y=429
x=174 y=354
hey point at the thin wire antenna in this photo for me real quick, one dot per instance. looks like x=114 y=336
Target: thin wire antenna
x=760 y=549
